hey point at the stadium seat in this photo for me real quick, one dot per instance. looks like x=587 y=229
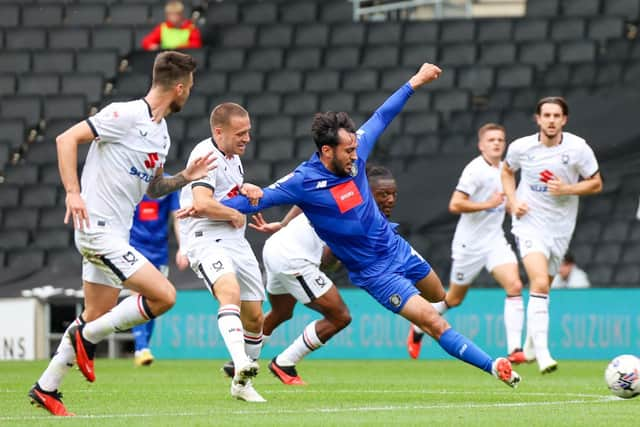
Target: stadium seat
x=69 y=38
x=265 y=59
x=494 y=30
x=9 y=15
x=615 y=231
x=119 y=38
x=18 y=218
x=478 y=79
x=14 y=239
x=519 y=122
x=272 y=126
x=226 y=59
x=210 y=82
x=342 y=58
x=27 y=108
x=300 y=103
x=35 y=196
x=198 y=105
x=198 y=128
x=316 y=35
x=238 y=36
x=337 y=101
x=582 y=253
x=222 y=13
x=133 y=85
x=278 y=35
x=626 y=206
x=103 y=61
x=368 y=102
x=12 y=131
x=568 y=29
x=629 y=9
x=587 y=231
x=631 y=74
x=128 y=14
x=537 y=53
x=259 y=13
x=64 y=260
x=49 y=61
x=381 y=57
x=7 y=84
x=298 y=12
x=55 y=127
x=51 y=217
x=384 y=33
x=515 y=76
x=457 y=54
x=42 y=15
x=351 y=34
x=263 y=103
x=274 y=149
x=497 y=53
x=25 y=173
x=608 y=74
x=302 y=126
x=304 y=147
x=49 y=174
x=42 y=152
x=419 y=123
x=65 y=107
x=59 y=238
x=26 y=38
x=607 y=253
x=14 y=62
x=530 y=29
x=419 y=102
x=177 y=127
x=414 y=55
x=257 y=171
x=627 y=275
x=543 y=8
x=420 y=32
x=583 y=75
x=360 y=80
x=577 y=51
x=246 y=82
x=38 y=84
x=322 y=80
x=613 y=50
x=455 y=100
x=282 y=168
x=452 y=31
x=85 y=14
x=605 y=28
x=308 y=58
x=336 y=11
x=584 y=8
x=89 y=85
x=9 y=196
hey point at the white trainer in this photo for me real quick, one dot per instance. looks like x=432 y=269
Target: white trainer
x=501 y=369
x=246 y=372
x=245 y=392
x=547 y=366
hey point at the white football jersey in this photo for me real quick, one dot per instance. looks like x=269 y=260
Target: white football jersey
x=479 y=180
x=124 y=157
x=570 y=160
x=297 y=241
x=225 y=182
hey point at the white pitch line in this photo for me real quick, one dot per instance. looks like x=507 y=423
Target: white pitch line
x=601 y=399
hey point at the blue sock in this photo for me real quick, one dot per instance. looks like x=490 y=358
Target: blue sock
x=464 y=349
x=149 y=330
x=140 y=336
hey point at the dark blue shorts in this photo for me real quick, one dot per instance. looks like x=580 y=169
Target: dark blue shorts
x=394 y=285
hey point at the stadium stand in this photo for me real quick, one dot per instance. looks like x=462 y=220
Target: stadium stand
x=284 y=60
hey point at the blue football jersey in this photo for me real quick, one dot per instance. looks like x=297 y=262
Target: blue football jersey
x=150 y=230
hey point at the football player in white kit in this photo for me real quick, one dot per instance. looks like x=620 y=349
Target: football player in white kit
x=292 y=258
x=479 y=240
x=556 y=168
x=125 y=161
x=217 y=249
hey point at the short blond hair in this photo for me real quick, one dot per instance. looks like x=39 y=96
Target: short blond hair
x=174 y=6
x=222 y=113
x=490 y=126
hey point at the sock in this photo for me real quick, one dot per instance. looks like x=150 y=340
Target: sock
x=253 y=344
x=131 y=311
x=60 y=363
x=464 y=349
x=149 y=326
x=513 y=321
x=416 y=330
x=231 y=330
x=306 y=342
x=440 y=306
x=140 y=337
x=538 y=322
x=265 y=339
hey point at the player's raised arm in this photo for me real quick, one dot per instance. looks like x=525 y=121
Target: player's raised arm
x=162 y=184
x=369 y=133
x=67 y=147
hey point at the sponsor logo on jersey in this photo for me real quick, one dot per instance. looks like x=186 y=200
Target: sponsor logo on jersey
x=539 y=188
x=565 y=159
x=322 y=184
x=347 y=196
x=152 y=159
x=281 y=180
x=233 y=192
x=146 y=177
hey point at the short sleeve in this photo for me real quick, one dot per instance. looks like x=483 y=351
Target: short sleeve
x=587 y=162
x=112 y=123
x=208 y=181
x=512 y=159
x=467 y=183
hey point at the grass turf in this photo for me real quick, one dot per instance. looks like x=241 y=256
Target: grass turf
x=341 y=393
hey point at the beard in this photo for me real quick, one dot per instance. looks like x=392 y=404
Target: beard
x=339 y=168
x=175 y=107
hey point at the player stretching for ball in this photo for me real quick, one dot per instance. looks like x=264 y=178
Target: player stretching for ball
x=217 y=249
x=130 y=143
x=556 y=167
x=479 y=240
x=332 y=190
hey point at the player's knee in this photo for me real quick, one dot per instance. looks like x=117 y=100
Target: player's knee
x=167 y=299
x=453 y=301
x=342 y=319
x=514 y=287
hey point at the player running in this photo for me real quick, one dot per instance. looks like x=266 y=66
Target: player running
x=556 y=167
x=130 y=143
x=217 y=248
x=332 y=190
x=479 y=240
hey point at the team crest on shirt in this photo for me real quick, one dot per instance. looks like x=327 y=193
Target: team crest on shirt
x=459 y=276
x=354 y=170
x=320 y=281
x=565 y=159
x=395 y=300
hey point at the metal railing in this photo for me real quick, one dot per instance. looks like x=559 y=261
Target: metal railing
x=377 y=7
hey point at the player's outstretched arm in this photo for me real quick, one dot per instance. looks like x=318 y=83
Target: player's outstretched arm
x=260 y=224
x=67 y=147
x=161 y=185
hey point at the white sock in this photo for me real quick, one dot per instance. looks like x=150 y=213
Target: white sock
x=265 y=339
x=538 y=321
x=130 y=312
x=306 y=342
x=440 y=306
x=253 y=344
x=230 y=327
x=417 y=330
x=513 y=321
x=60 y=363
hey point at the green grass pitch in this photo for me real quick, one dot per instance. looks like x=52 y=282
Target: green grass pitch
x=340 y=393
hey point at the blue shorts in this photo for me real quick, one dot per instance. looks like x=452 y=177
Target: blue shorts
x=395 y=284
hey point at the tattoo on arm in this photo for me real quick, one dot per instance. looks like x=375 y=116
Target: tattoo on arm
x=162 y=185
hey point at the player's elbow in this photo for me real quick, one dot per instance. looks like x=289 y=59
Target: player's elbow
x=199 y=207
x=597 y=187
x=454 y=208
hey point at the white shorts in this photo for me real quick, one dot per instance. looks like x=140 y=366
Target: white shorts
x=107 y=257
x=210 y=258
x=553 y=248
x=467 y=264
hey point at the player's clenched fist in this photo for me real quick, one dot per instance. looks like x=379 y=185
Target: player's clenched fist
x=426 y=74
